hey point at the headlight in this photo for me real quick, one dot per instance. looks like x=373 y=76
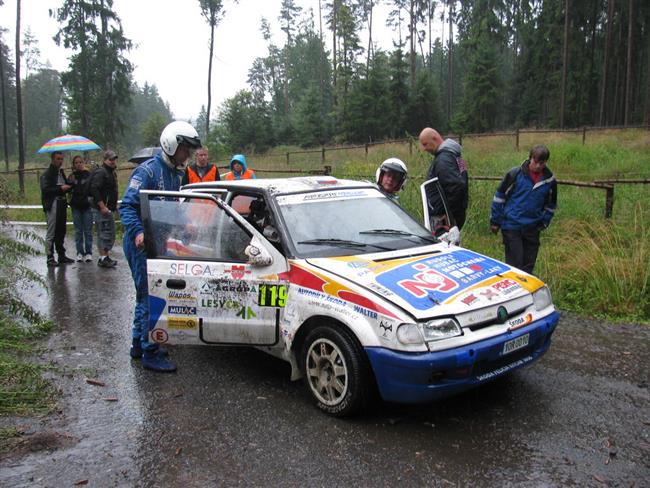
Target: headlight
x=434 y=330
x=409 y=334
x=542 y=298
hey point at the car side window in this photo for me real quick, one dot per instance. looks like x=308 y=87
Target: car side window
x=197 y=229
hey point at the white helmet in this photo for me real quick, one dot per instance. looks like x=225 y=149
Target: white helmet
x=178 y=132
x=392 y=164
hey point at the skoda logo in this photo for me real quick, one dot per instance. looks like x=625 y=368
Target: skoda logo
x=502 y=314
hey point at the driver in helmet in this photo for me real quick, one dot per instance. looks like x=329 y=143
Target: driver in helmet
x=163 y=172
x=391 y=177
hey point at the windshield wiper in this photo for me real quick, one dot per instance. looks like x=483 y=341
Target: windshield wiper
x=396 y=232
x=343 y=243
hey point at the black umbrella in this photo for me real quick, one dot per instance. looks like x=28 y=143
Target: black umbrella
x=145 y=153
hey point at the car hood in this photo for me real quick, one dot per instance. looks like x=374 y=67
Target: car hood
x=434 y=282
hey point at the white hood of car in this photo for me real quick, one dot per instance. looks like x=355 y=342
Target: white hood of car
x=434 y=283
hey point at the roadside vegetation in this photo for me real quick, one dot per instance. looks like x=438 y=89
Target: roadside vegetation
x=594 y=266
x=23 y=389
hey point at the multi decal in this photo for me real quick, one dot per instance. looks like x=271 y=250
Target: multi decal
x=433 y=279
x=181 y=310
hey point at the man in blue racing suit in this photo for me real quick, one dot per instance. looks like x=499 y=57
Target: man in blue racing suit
x=164 y=172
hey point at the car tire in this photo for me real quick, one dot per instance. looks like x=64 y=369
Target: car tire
x=336 y=371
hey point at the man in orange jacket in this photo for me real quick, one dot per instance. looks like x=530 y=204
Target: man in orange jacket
x=239 y=170
x=202 y=170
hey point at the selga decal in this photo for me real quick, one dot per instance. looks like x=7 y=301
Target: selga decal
x=315 y=281
x=434 y=279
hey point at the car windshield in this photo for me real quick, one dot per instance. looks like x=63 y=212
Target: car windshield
x=348 y=222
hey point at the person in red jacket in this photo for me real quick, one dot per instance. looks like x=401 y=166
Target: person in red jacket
x=239 y=169
x=201 y=170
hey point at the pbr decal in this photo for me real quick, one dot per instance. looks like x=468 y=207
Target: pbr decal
x=181 y=310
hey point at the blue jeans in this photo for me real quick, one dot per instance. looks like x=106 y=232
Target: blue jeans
x=83 y=230
x=137 y=260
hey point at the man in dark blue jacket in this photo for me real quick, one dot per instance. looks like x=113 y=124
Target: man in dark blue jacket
x=523 y=205
x=164 y=172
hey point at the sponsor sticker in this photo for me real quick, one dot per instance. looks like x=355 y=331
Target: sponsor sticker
x=159 y=336
x=181 y=323
x=181 y=310
x=432 y=279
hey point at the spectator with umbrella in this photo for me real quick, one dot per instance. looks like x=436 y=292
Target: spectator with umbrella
x=54 y=188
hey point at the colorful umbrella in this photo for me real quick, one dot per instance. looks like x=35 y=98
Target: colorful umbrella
x=68 y=142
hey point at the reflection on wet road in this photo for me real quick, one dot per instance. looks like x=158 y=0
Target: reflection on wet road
x=229 y=416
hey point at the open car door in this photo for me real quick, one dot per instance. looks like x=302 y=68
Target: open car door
x=442 y=226
x=213 y=278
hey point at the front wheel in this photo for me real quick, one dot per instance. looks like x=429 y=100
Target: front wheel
x=336 y=371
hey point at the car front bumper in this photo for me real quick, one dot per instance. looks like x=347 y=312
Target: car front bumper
x=424 y=377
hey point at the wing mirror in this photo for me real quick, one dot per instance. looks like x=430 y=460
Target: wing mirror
x=257 y=254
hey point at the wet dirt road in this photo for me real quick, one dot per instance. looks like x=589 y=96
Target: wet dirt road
x=230 y=416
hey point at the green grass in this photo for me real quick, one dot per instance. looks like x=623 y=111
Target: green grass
x=22 y=386
x=593 y=265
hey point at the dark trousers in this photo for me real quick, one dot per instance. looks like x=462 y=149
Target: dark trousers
x=521 y=248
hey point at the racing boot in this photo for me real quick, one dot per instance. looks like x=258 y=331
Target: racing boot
x=155 y=361
x=136 y=349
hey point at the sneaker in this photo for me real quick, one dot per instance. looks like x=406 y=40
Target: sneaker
x=103 y=263
x=65 y=260
x=51 y=262
x=112 y=261
x=155 y=361
x=79 y=257
x=88 y=258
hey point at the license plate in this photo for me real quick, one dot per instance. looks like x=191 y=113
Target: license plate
x=515 y=344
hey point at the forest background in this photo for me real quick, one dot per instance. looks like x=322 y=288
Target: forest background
x=497 y=65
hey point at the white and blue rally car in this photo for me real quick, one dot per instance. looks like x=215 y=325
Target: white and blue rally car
x=341 y=282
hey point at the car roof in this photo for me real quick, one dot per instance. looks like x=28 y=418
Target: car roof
x=284 y=185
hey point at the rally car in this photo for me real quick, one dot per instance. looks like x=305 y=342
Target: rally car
x=341 y=282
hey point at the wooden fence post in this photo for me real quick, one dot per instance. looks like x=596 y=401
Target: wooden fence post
x=366 y=147
x=517 y=139
x=609 y=201
x=584 y=134
x=410 y=146
x=322 y=157
x=287 y=159
x=327 y=170
x=460 y=139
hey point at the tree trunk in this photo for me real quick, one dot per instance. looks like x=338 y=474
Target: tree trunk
x=4 y=111
x=412 y=43
x=450 y=67
x=334 y=67
x=628 y=75
x=85 y=75
x=369 y=38
x=565 y=62
x=19 y=108
x=207 y=118
x=608 y=49
x=107 y=75
x=430 y=53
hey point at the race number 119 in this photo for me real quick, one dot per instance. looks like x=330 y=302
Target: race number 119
x=272 y=296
